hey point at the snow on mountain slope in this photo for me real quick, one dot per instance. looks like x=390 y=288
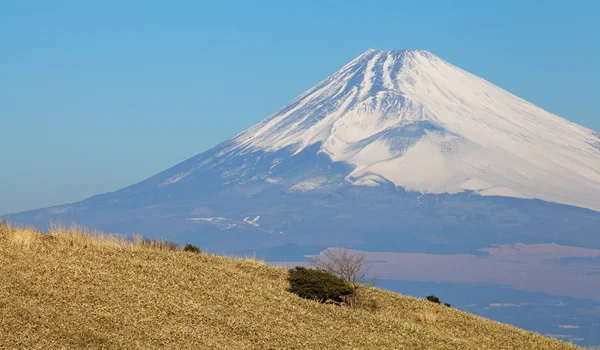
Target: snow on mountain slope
x=426 y=125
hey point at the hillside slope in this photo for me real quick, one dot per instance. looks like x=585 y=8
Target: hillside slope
x=67 y=290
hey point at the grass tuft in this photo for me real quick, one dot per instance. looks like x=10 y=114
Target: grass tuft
x=426 y=317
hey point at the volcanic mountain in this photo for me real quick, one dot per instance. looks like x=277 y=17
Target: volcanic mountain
x=397 y=150
x=410 y=118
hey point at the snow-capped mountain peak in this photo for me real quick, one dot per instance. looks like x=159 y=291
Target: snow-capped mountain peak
x=411 y=118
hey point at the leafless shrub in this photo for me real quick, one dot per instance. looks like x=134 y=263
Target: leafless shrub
x=351 y=266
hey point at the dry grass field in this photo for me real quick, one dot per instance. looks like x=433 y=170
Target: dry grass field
x=68 y=289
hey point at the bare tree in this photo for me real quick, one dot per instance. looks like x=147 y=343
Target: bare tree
x=350 y=265
x=353 y=267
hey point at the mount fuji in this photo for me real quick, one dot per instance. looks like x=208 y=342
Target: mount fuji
x=395 y=151
x=410 y=118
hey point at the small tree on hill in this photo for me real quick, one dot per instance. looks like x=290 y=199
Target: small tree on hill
x=351 y=266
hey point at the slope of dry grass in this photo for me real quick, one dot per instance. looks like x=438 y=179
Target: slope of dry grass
x=68 y=290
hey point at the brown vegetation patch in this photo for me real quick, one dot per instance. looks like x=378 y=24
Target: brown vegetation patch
x=95 y=290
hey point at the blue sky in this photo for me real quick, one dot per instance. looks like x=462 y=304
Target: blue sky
x=95 y=96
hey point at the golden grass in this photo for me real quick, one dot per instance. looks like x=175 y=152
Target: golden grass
x=426 y=317
x=68 y=290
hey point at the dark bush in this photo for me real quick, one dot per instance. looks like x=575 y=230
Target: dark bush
x=433 y=299
x=447 y=304
x=192 y=249
x=318 y=285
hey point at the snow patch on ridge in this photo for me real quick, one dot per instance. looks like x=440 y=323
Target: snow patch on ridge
x=175 y=178
x=306 y=186
x=252 y=222
x=227 y=224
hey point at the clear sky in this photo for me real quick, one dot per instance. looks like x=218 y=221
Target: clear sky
x=95 y=96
